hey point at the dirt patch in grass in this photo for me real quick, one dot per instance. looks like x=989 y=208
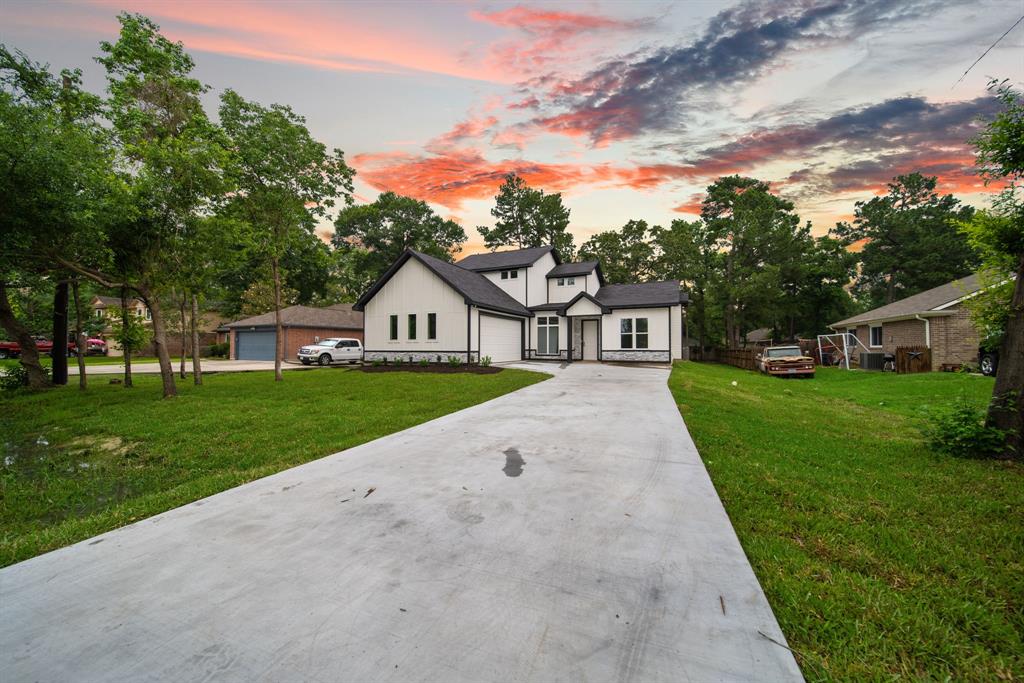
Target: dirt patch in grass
x=439 y=368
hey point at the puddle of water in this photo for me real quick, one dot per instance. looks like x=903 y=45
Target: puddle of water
x=513 y=463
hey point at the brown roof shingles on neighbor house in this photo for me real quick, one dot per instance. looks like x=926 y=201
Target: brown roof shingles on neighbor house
x=338 y=316
x=919 y=304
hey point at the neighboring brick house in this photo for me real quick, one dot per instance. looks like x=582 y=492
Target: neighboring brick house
x=254 y=338
x=109 y=309
x=936 y=318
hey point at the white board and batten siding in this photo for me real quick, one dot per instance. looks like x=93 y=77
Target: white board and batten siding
x=415 y=289
x=661 y=321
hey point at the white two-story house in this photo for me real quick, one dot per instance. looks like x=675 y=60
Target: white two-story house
x=516 y=305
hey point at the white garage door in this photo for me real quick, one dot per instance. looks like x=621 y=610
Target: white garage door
x=500 y=338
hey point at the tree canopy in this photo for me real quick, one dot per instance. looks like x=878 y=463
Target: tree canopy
x=626 y=254
x=527 y=217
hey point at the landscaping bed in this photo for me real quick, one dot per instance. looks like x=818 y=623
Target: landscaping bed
x=74 y=464
x=441 y=368
x=881 y=559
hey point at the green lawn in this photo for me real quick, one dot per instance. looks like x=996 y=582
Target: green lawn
x=881 y=559
x=47 y=361
x=76 y=464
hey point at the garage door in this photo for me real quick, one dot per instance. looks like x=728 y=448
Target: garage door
x=255 y=346
x=500 y=338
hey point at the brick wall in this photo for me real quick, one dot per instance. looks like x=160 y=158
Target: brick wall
x=954 y=339
x=902 y=333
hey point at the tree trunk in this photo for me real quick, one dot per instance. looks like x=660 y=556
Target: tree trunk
x=79 y=336
x=1006 y=411
x=197 y=370
x=160 y=343
x=184 y=333
x=60 y=334
x=29 y=356
x=126 y=349
x=278 y=332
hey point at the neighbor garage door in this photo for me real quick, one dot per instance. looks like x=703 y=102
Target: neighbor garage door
x=500 y=338
x=255 y=346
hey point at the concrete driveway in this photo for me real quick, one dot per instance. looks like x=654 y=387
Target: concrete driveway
x=565 y=532
x=208 y=366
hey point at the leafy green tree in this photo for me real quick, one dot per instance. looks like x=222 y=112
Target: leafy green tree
x=527 y=217
x=998 y=236
x=911 y=241
x=370 y=237
x=814 y=276
x=626 y=255
x=287 y=181
x=54 y=170
x=689 y=252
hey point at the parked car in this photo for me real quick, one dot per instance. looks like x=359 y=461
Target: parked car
x=327 y=351
x=785 y=361
x=11 y=349
x=988 y=361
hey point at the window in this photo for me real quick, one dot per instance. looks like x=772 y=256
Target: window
x=571 y=281
x=412 y=326
x=633 y=333
x=504 y=275
x=393 y=328
x=149 y=314
x=561 y=282
x=99 y=312
x=547 y=335
x=431 y=325
x=514 y=274
x=876 y=335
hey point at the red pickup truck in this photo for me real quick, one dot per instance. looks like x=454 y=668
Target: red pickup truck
x=9 y=349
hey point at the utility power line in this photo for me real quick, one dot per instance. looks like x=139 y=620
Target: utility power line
x=987 y=51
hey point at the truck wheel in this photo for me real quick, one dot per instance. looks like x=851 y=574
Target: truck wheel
x=325 y=359
x=988 y=364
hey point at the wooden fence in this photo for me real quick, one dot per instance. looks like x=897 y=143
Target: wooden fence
x=741 y=358
x=913 y=359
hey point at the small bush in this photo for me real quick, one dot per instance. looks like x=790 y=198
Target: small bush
x=424 y=362
x=454 y=361
x=485 y=361
x=376 y=362
x=399 y=360
x=16 y=377
x=960 y=431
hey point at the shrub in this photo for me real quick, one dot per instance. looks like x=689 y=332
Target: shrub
x=424 y=362
x=219 y=350
x=960 y=431
x=376 y=362
x=399 y=360
x=16 y=377
x=485 y=361
x=454 y=361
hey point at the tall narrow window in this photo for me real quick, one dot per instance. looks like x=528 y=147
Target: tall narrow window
x=393 y=328
x=641 y=333
x=431 y=325
x=626 y=333
x=412 y=326
x=876 y=335
x=547 y=335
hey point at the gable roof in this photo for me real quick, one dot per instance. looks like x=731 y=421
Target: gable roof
x=474 y=288
x=338 y=316
x=583 y=295
x=515 y=258
x=664 y=293
x=928 y=301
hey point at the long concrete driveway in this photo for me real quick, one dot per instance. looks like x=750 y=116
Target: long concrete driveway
x=564 y=532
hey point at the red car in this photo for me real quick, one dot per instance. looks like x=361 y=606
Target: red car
x=9 y=349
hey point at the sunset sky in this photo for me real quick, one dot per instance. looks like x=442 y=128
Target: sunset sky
x=629 y=109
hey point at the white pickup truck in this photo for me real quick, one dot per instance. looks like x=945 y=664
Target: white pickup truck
x=327 y=351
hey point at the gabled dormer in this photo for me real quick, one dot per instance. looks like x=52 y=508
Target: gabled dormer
x=518 y=272
x=565 y=281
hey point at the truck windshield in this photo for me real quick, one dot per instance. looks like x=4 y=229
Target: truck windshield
x=783 y=352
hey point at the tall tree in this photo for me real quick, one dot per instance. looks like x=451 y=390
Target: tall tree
x=287 y=181
x=626 y=255
x=527 y=217
x=371 y=236
x=911 y=241
x=999 y=236
x=689 y=252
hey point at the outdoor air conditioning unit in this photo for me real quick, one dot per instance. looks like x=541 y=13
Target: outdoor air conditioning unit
x=872 y=361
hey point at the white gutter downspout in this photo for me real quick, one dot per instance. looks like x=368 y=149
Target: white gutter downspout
x=927 y=330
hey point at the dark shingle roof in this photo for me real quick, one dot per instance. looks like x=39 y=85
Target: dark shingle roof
x=645 y=294
x=496 y=260
x=339 y=317
x=919 y=303
x=475 y=288
x=573 y=269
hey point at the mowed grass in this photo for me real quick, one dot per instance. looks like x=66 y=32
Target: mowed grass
x=76 y=464
x=881 y=559
x=47 y=361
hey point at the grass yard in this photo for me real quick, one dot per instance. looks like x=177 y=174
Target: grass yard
x=76 y=464
x=880 y=559
x=47 y=361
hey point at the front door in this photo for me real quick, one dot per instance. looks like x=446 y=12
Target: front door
x=589 y=340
